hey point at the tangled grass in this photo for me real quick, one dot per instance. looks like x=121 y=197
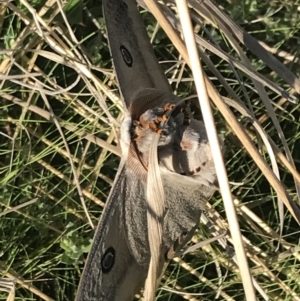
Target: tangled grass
x=60 y=112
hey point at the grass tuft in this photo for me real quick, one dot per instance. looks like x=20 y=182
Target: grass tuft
x=60 y=111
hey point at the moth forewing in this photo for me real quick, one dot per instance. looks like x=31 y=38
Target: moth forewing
x=110 y=266
x=134 y=60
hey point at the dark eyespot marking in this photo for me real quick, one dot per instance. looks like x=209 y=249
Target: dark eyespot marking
x=108 y=260
x=126 y=56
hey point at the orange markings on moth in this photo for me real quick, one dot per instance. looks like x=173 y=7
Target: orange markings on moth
x=169 y=107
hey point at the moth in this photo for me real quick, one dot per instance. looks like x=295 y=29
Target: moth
x=118 y=262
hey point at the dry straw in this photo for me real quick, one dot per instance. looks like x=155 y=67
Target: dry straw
x=43 y=38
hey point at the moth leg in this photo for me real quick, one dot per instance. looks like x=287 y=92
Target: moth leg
x=169 y=107
x=186 y=116
x=181 y=241
x=200 y=244
x=154 y=127
x=160 y=119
